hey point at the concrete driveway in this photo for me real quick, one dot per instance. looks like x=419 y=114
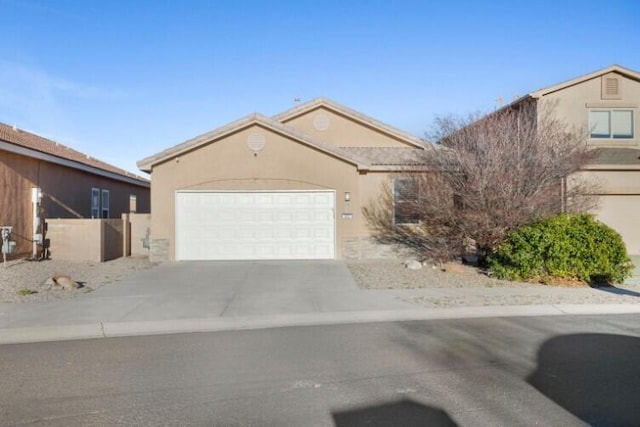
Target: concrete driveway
x=211 y=289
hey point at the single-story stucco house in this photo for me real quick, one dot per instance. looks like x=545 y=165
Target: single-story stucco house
x=293 y=186
x=71 y=185
x=286 y=187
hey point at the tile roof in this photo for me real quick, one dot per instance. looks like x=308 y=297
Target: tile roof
x=617 y=156
x=32 y=141
x=388 y=156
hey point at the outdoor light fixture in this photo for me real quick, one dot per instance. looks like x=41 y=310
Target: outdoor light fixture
x=347 y=196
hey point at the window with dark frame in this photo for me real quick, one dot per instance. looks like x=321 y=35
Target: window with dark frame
x=105 y=203
x=95 y=203
x=405 y=198
x=611 y=124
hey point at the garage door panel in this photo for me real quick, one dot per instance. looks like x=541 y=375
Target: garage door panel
x=620 y=213
x=260 y=225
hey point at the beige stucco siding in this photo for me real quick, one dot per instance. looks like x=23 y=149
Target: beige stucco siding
x=343 y=131
x=613 y=182
x=618 y=190
x=229 y=164
x=572 y=105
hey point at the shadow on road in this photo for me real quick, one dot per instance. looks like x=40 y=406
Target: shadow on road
x=402 y=413
x=617 y=291
x=596 y=377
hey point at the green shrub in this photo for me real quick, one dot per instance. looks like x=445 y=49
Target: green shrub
x=575 y=246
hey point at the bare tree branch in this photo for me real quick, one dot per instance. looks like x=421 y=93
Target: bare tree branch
x=489 y=175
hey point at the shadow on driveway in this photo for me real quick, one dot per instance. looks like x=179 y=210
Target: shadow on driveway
x=596 y=377
x=402 y=413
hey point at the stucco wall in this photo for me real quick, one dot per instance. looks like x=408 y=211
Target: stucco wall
x=111 y=239
x=75 y=239
x=618 y=189
x=140 y=232
x=94 y=240
x=573 y=103
x=283 y=164
x=343 y=131
x=66 y=194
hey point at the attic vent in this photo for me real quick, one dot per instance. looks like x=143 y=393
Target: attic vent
x=610 y=87
x=256 y=141
x=321 y=122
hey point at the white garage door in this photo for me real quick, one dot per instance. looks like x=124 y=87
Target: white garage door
x=619 y=213
x=255 y=225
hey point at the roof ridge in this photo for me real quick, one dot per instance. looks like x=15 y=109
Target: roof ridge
x=582 y=78
x=192 y=143
x=323 y=101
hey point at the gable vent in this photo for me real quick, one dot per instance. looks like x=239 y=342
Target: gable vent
x=610 y=87
x=256 y=141
x=321 y=122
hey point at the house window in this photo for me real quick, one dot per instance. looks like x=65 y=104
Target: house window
x=133 y=203
x=405 y=198
x=95 y=203
x=611 y=124
x=105 y=203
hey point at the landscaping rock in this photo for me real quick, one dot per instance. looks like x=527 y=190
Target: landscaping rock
x=413 y=264
x=63 y=281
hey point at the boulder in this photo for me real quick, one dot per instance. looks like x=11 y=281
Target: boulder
x=413 y=264
x=63 y=281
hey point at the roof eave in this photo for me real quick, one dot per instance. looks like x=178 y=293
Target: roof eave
x=299 y=110
x=572 y=82
x=73 y=164
x=148 y=163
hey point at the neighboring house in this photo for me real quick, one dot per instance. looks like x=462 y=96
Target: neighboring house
x=605 y=104
x=287 y=187
x=73 y=185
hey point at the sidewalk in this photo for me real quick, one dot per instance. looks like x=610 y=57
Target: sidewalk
x=145 y=304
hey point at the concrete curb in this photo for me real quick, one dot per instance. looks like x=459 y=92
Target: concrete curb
x=218 y=324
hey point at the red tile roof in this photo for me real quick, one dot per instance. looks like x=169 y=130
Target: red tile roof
x=32 y=141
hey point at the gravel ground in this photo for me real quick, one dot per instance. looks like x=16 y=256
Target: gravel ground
x=18 y=277
x=392 y=274
x=428 y=287
x=466 y=286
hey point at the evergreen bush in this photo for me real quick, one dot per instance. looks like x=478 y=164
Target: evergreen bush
x=567 y=246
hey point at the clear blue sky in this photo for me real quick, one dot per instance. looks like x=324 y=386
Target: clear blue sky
x=121 y=80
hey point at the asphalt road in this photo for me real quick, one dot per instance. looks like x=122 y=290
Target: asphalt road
x=547 y=371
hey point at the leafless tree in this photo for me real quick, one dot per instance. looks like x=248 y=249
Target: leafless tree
x=486 y=176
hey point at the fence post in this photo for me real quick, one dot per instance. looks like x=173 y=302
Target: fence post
x=126 y=235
